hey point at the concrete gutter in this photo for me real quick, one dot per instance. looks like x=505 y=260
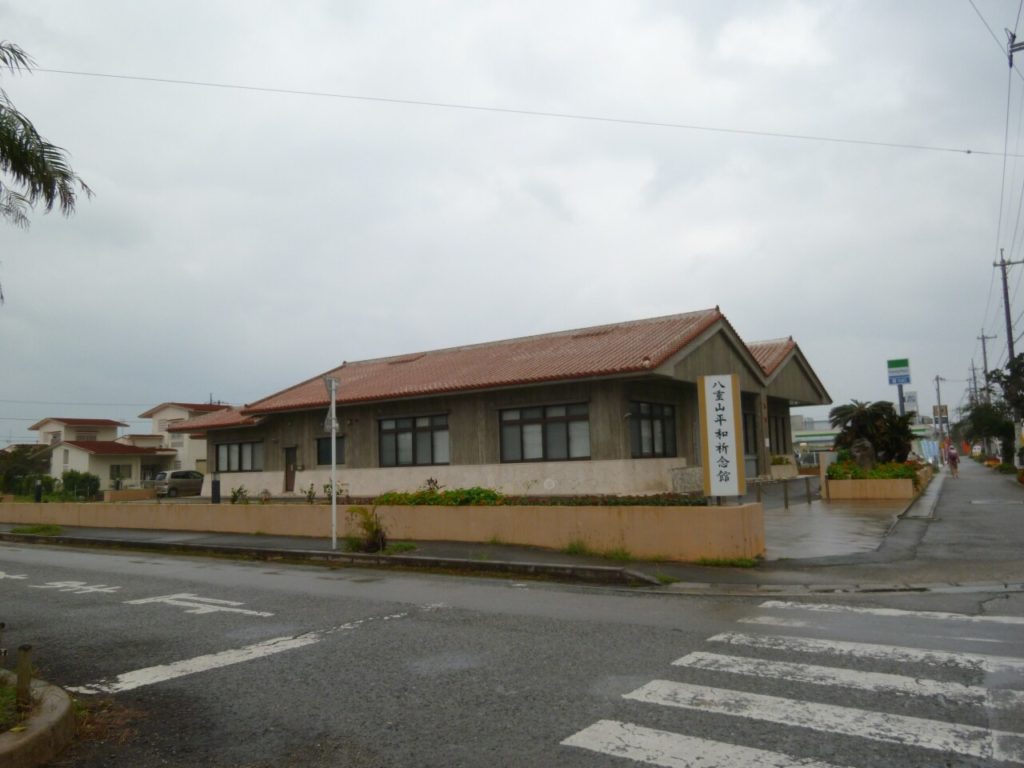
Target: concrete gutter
x=49 y=728
x=595 y=574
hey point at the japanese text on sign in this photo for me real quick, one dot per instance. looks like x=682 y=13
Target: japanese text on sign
x=721 y=443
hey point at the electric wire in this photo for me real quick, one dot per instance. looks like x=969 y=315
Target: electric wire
x=539 y=113
x=995 y=37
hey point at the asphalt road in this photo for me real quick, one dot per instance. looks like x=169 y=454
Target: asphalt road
x=221 y=663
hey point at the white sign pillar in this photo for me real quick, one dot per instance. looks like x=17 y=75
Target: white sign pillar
x=721 y=435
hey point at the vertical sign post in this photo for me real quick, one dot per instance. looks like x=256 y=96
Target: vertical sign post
x=899 y=374
x=721 y=435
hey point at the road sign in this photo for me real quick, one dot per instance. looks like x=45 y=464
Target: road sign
x=899 y=371
x=910 y=401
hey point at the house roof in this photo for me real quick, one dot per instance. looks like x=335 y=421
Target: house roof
x=221 y=419
x=771 y=353
x=110 y=448
x=79 y=422
x=605 y=350
x=192 y=407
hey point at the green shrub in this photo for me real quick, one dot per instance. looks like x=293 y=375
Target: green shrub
x=1006 y=469
x=75 y=485
x=894 y=470
x=462 y=497
x=239 y=495
x=374 y=537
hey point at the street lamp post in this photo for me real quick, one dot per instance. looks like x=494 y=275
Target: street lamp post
x=332 y=387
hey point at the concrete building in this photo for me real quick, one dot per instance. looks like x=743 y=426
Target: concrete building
x=603 y=410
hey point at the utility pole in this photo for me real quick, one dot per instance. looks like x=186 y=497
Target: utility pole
x=1003 y=264
x=974 y=384
x=984 y=361
x=938 y=399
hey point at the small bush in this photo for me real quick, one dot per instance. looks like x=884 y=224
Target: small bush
x=76 y=485
x=1006 y=469
x=374 y=537
x=239 y=495
x=849 y=470
x=310 y=494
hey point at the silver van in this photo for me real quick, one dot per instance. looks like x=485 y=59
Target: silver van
x=178 y=482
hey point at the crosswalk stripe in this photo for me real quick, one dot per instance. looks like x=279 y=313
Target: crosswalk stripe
x=773 y=621
x=891 y=612
x=876 y=682
x=878 y=726
x=673 y=750
x=977 y=661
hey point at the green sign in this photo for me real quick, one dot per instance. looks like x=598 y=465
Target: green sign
x=899 y=371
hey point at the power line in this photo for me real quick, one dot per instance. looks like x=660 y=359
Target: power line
x=537 y=113
x=995 y=37
x=65 y=402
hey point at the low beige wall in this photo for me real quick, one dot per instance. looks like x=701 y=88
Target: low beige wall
x=878 y=489
x=674 y=533
x=130 y=494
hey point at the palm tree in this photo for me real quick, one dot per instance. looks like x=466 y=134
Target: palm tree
x=878 y=423
x=32 y=170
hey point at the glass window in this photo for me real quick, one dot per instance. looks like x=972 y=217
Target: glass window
x=323 y=450
x=240 y=457
x=414 y=441
x=652 y=430
x=551 y=433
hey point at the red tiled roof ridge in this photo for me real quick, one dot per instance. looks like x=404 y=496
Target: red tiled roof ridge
x=593 y=330
x=111 y=447
x=597 y=361
x=80 y=422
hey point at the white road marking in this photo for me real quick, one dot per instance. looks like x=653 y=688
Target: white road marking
x=673 y=750
x=774 y=621
x=12 y=576
x=891 y=612
x=978 y=661
x=76 y=587
x=848 y=678
x=201 y=605
x=163 y=672
x=827 y=718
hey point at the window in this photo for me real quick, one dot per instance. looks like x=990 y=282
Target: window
x=120 y=471
x=652 y=430
x=749 y=433
x=323 y=450
x=548 y=433
x=410 y=441
x=240 y=457
x=86 y=436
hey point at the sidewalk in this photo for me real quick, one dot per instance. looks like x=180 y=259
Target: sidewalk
x=960 y=534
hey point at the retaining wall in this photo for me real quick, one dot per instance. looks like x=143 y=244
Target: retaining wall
x=674 y=533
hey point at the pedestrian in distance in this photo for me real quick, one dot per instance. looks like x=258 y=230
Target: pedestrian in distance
x=953 y=459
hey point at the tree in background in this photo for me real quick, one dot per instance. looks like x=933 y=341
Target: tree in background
x=32 y=170
x=1011 y=382
x=877 y=424
x=20 y=463
x=984 y=422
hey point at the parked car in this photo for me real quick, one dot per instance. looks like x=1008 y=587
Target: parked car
x=178 y=482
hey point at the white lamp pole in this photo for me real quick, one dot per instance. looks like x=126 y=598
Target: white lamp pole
x=332 y=387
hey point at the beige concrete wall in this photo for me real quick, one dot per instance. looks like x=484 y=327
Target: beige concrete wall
x=674 y=533
x=870 y=489
x=562 y=478
x=839 y=490
x=133 y=494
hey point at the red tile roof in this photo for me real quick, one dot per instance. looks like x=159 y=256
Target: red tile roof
x=221 y=419
x=770 y=354
x=197 y=407
x=80 y=422
x=109 y=448
x=605 y=350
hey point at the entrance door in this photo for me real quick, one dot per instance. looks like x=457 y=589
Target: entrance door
x=289 y=469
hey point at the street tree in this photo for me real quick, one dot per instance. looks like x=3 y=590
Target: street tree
x=984 y=422
x=32 y=170
x=877 y=423
x=1011 y=381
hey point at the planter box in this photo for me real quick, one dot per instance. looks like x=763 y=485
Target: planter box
x=782 y=471
x=901 y=488
x=674 y=533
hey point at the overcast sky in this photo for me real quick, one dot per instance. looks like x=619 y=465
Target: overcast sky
x=241 y=240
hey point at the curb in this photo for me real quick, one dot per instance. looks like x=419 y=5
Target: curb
x=594 y=574
x=48 y=729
